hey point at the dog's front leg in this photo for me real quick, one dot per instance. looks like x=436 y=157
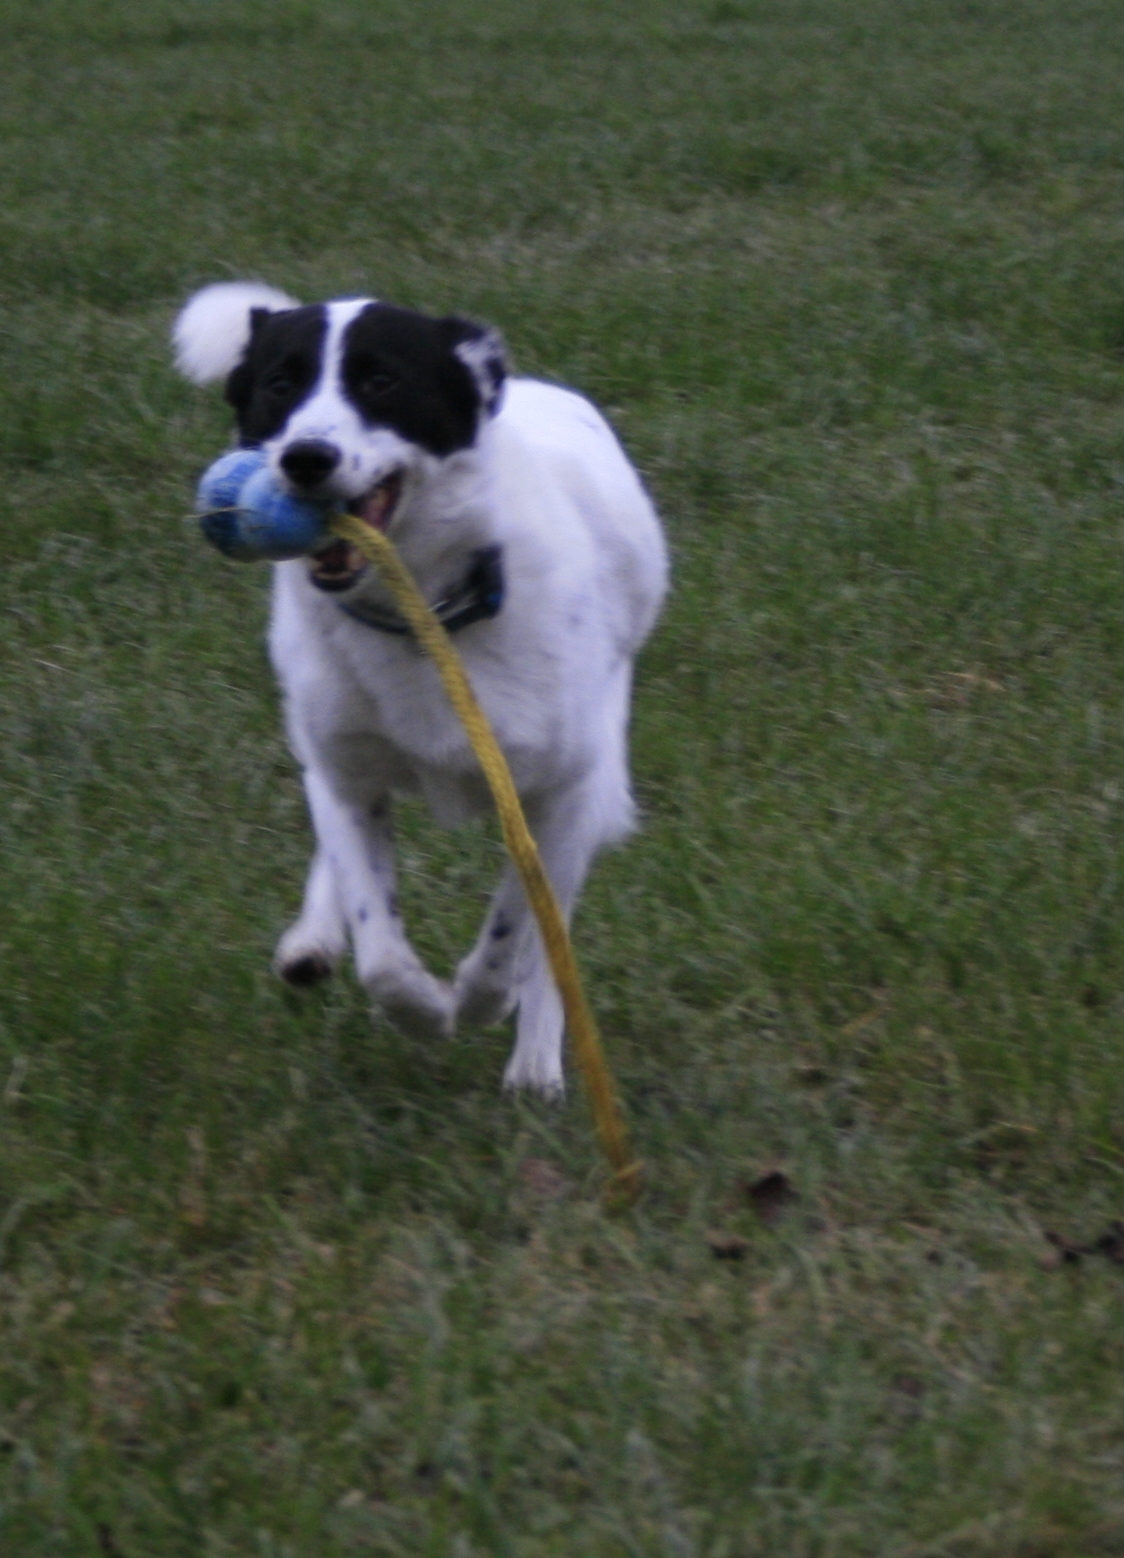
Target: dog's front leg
x=355 y=863
x=314 y=944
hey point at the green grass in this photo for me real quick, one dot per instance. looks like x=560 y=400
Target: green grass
x=275 y=1283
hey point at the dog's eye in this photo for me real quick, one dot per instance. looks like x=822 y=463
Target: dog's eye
x=278 y=384
x=377 y=382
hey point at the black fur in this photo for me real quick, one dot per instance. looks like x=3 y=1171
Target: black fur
x=400 y=370
x=279 y=368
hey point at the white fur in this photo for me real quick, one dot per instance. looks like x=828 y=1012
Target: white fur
x=477 y=355
x=210 y=334
x=585 y=569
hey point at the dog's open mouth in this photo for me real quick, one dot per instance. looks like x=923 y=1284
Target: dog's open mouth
x=338 y=564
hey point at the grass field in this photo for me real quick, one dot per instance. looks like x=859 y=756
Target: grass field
x=849 y=277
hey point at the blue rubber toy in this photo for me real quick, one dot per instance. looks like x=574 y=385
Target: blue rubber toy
x=247 y=515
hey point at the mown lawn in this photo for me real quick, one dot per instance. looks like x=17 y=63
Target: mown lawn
x=849 y=276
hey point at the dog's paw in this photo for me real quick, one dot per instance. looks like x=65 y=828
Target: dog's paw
x=302 y=960
x=478 y=1003
x=304 y=970
x=486 y=987
x=415 y=1002
x=534 y=1074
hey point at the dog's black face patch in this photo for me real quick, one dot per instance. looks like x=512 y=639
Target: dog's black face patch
x=280 y=368
x=400 y=370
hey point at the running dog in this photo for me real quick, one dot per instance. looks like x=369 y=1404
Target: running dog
x=529 y=531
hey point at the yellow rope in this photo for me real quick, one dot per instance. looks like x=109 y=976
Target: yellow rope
x=380 y=550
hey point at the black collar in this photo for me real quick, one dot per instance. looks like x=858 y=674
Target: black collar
x=478 y=596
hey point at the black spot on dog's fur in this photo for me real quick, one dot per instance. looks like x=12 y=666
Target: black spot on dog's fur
x=279 y=368
x=400 y=370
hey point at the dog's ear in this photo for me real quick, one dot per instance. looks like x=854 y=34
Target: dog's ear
x=240 y=381
x=481 y=349
x=215 y=327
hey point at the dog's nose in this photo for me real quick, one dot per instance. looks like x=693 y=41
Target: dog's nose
x=309 y=461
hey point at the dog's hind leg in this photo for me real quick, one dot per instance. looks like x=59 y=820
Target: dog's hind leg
x=355 y=840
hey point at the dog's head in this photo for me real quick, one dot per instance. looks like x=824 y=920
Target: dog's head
x=353 y=400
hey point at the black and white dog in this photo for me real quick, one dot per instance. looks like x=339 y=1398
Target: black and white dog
x=523 y=522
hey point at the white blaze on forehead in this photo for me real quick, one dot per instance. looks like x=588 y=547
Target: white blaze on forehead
x=327 y=412
x=367 y=454
x=340 y=315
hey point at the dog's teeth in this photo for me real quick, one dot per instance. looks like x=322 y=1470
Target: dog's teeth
x=337 y=566
x=378 y=506
x=372 y=511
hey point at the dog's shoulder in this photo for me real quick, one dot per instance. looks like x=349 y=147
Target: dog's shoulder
x=554 y=442
x=555 y=419
x=568 y=481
